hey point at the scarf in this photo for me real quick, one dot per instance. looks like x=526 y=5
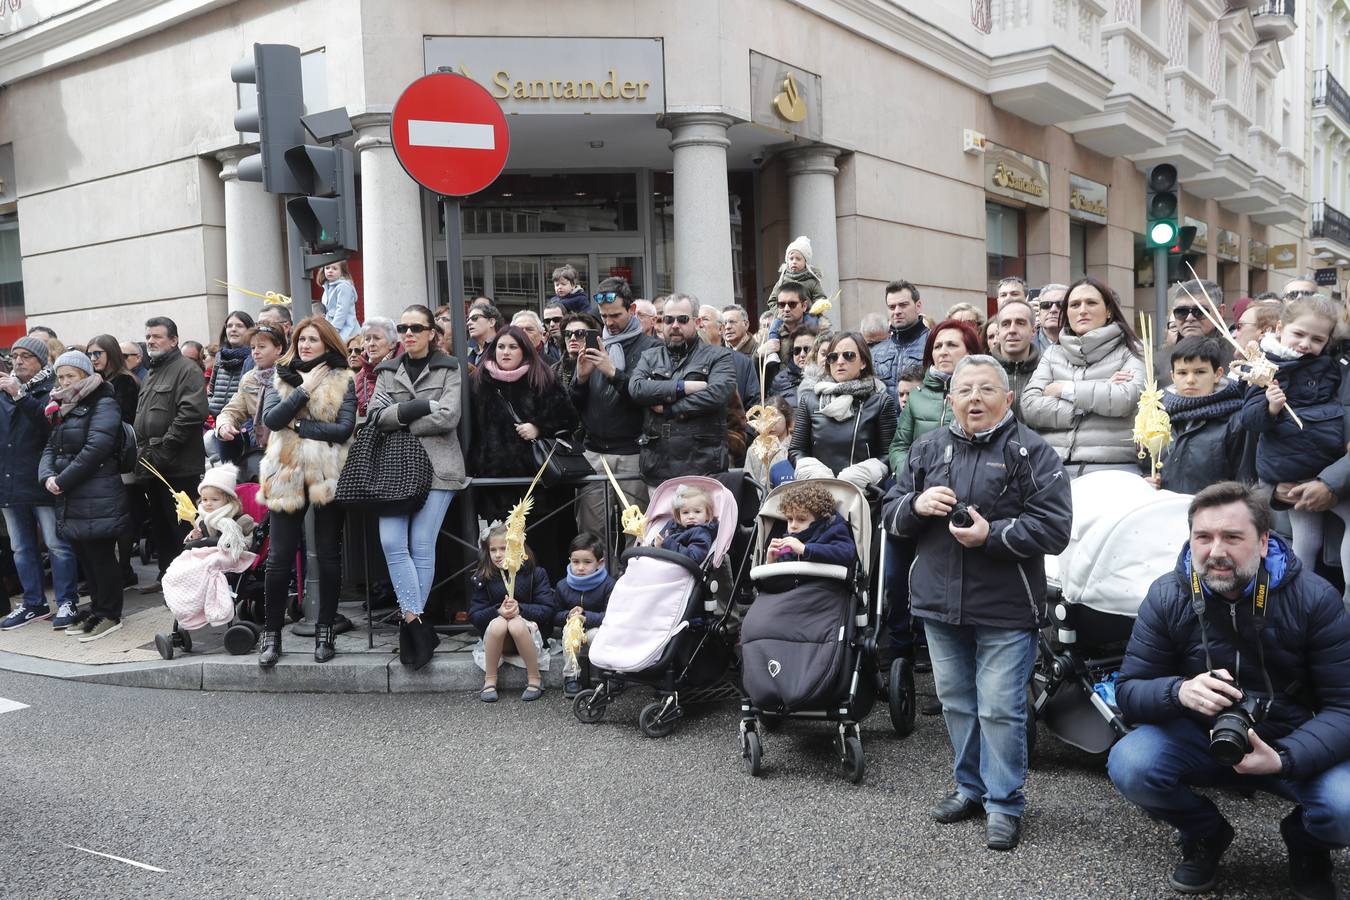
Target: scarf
x=1221 y=404
x=291 y=373
x=585 y=583
x=510 y=377
x=840 y=408
x=1082 y=350
x=232 y=540
x=232 y=358
x=66 y=399
x=38 y=381
x=1277 y=352
x=615 y=344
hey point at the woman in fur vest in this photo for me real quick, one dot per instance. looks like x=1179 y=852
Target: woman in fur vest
x=311 y=413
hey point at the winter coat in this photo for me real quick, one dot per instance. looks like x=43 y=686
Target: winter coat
x=534 y=596
x=1337 y=475
x=926 y=409
x=865 y=434
x=339 y=303
x=127 y=390
x=747 y=378
x=1019 y=373
x=689 y=435
x=693 y=541
x=593 y=602
x=1019 y=485
x=230 y=365
x=1306 y=643
x=23 y=436
x=1284 y=451
x=428 y=409
x=497 y=451
x=828 y=541
x=807 y=279
x=1209 y=444
x=170 y=414
x=785 y=383
x=311 y=434
x=242 y=410
x=610 y=418
x=903 y=349
x=576 y=302
x=81 y=454
x=1097 y=426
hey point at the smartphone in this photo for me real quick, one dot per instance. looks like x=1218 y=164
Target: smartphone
x=592 y=340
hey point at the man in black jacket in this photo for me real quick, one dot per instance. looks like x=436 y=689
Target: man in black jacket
x=983 y=501
x=1239 y=614
x=611 y=420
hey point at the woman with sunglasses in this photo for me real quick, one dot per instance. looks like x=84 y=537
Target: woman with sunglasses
x=418 y=392
x=574 y=328
x=845 y=422
x=788 y=379
x=927 y=408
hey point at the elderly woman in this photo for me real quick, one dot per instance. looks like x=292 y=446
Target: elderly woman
x=948 y=342
x=845 y=423
x=379 y=341
x=1084 y=394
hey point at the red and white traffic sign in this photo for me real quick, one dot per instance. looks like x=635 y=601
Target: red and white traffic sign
x=449 y=134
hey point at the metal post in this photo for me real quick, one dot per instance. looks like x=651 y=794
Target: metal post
x=295 y=265
x=1160 y=311
x=454 y=270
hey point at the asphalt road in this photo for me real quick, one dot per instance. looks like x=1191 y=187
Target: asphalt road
x=287 y=795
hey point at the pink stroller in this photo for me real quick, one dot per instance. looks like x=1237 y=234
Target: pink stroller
x=663 y=627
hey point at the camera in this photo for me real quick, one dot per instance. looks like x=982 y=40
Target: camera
x=1228 y=741
x=960 y=515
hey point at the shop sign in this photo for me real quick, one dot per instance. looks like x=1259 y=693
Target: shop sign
x=1201 y=242
x=785 y=98
x=1284 y=256
x=541 y=76
x=1016 y=175
x=1087 y=199
x=1230 y=245
x=9 y=189
x=1325 y=277
x=1257 y=253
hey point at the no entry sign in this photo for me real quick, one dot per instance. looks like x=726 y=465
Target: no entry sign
x=449 y=134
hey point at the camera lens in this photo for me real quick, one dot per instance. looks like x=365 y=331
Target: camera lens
x=960 y=516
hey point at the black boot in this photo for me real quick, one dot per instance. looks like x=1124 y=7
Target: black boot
x=269 y=649
x=1310 y=870
x=423 y=641
x=405 y=641
x=323 y=643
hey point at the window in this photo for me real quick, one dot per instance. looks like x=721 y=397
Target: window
x=1195 y=52
x=1078 y=240
x=519 y=203
x=1230 y=79
x=11 y=273
x=1317 y=174
x=1261 y=113
x=1005 y=243
x=1151 y=20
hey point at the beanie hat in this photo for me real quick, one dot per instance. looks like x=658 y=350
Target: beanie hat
x=802 y=245
x=222 y=478
x=1240 y=307
x=73 y=358
x=35 y=346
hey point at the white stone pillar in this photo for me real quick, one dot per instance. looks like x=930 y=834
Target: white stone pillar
x=810 y=183
x=393 y=257
x=255 y=235
x=702 y=215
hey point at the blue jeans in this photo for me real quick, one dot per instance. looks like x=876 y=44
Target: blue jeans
x=1155 y=767
x=409 y=544
x=23 y=523
x=981 y=675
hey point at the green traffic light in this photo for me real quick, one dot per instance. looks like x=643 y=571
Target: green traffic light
x=1162 y=234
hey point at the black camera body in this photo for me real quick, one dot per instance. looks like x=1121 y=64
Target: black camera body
x=1228 y=741
x=960 y=515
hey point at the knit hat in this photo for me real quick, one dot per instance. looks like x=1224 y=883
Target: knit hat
x=222 y=478
x=802 y=245
x=35 y=346
x=1240 y=307
x=73 y=358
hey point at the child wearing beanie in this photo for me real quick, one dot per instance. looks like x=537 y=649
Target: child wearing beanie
x=195 y=587
x=796 y=269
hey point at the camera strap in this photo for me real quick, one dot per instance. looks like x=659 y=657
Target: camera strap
x=1260 y=596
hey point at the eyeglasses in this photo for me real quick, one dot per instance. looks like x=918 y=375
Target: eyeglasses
x=1187 y=312
x=789 y=304
x=577 y=334
x=403 y=328
x=801 y=351
x=606 y=297
x=21 y=355
x=1298 y=295
x=848 y=355
x=986 y=392
x=682 y=319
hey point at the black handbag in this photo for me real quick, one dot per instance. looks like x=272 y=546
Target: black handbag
x=388 y=473
x=566 y=461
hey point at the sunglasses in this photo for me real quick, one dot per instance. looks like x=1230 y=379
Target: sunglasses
x=477 y=318
x=682 y=319
x=1298 y=295
x=800 y=351
x=552 y=320
x=1047 y=304
x=789 y=304
x=577 y=334
x=1186 y=312
x=96 y=354
x=415 y=329
x=606 y=297
x=848 y=356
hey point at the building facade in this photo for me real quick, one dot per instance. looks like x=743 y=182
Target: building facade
x=680 y=145
x=1326 y=26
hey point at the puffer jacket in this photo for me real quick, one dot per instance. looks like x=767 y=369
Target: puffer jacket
x=82 y=454
x=23 y=435
x=785 y=383
x=865 y=434
x=1209 y=444
x=1098 y=425
x=925 y=410
x=534 y=595
x=169 y=417
x=593 y=602
x=904 y=348
x=428 y=409
x=1019 y=373
x=1020 y=487
x=496 y=449
x=1284 y=451
x=230 y=366
x=689 y=435
x=1306 y=643
x=693 y=541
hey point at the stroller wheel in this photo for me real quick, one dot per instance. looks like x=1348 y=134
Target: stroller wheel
x=183 y=639
x=164 y=644
x=901 y=692
x=586 y=711
x=752 y=753
x=853 y=761
x=652 y=723
x=147 y=553
x=240 y=639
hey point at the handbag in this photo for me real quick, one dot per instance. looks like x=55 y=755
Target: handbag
x=388 y=473
x=565 y=459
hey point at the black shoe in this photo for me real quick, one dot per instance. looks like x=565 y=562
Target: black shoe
x=571 y=687
x=956 y=807
x=1199 y=867
x=1002 y=831
x=269 y=649
x=323 y=643
x=1309 y=865
x=422 y=643
x=931 y=707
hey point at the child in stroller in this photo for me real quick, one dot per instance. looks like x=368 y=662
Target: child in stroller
x=692 y=529
x=815 y=530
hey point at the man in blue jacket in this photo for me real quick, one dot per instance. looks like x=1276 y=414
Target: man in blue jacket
x=27 y=507
x=1239 y=614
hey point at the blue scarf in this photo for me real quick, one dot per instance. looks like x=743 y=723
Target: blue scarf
x=585 y=583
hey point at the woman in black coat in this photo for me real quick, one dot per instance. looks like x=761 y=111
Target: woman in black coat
x=105 y=353
x=79 y=466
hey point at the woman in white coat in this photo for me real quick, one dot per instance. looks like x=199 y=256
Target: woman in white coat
x=1084 y=394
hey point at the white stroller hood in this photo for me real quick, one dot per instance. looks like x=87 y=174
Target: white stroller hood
x=848 y=501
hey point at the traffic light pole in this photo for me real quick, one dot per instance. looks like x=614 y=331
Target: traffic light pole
x=1160 y=312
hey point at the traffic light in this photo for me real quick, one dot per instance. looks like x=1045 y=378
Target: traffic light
x=326 y=215
x=1161 y=209
x=1185 y=237
x=275 y=70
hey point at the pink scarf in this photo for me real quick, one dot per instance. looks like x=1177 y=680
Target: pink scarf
x=510 y=377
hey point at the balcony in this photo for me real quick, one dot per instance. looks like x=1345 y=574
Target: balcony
x=1048 y=67
x=1189 y=144
x=1274 y=20
x=1231 y=174
x=1330 y=231
x=1134 y=117
x=1293 y=207
x=1329 y=95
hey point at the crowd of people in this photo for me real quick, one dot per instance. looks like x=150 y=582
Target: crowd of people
x=965 y=432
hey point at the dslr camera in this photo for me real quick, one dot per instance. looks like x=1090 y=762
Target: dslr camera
x=1228 y=742
x=960 y=515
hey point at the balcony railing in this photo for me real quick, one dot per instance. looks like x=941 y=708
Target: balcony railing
x=1330 y=223
x=1327 y=91
x=1275 y=8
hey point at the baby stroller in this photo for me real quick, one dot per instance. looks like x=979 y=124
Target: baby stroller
x=666 y=626
x=1125 y=535
x=808 y=643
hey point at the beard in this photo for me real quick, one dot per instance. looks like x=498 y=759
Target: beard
x=1231 y=581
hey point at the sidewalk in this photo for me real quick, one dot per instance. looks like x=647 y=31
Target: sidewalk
x=128 y=657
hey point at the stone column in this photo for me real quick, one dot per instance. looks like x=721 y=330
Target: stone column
x=810 y=178
x=393 y=253
x=255 y=235
x=702 y=215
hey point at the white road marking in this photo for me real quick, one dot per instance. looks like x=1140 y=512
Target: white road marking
x=11 y=705
x=130 y=862
x=453 y=135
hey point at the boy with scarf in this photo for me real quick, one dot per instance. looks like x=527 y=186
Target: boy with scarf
x=582 y=594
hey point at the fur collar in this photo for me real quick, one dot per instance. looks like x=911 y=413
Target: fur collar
x=295 y=470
